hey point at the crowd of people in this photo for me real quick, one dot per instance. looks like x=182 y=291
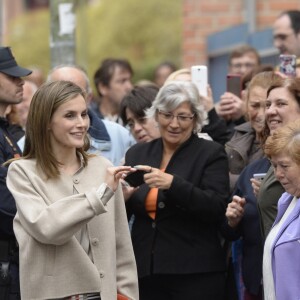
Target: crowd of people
x=150 y=190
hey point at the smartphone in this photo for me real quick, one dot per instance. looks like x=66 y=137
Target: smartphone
x=259 y=176
x=287 y=64
x=234 y=84
x=135 y=178
x=200 y=79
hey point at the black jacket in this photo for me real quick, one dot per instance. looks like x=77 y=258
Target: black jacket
x=216 y=128
x=7 y=203
x=9 y=289
x=249 y=228
x=183 y=238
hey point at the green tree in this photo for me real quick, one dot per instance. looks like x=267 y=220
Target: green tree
x=29 y=39
x=144 y=32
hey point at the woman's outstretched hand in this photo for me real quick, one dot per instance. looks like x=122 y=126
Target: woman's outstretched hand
x=114 y=174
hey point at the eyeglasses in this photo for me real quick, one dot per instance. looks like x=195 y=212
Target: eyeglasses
x=182 y=119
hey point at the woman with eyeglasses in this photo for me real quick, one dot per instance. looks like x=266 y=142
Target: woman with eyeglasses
x=178 y=208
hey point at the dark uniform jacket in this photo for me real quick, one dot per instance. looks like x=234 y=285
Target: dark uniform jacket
x=9 y=287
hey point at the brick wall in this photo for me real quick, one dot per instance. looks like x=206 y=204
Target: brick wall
x=202 y=18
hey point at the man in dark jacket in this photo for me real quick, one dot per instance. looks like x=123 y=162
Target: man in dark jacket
x=11 y=92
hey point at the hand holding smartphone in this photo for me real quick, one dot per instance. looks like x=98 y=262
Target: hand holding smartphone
x=259 y=176
x=287 y=64
x=234 y=84
x=200 y=79
x=136 y=178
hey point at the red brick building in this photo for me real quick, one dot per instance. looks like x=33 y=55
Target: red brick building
x=212 y=29
x=203 y=18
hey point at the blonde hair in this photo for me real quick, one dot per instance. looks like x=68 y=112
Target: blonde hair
x=175 y=74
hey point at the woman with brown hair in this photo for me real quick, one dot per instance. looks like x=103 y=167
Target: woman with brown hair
x=71 y=222
x=179 y=206
x=282 y=107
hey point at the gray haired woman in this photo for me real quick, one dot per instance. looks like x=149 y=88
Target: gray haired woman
x=181 y=202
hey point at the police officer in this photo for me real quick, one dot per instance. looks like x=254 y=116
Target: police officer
x=11 y=92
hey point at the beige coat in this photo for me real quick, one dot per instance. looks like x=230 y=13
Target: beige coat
x=52 y=262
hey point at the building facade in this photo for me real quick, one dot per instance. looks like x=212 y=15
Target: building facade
x=212 y=29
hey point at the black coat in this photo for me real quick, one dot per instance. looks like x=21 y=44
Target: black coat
x=7 y=203
x=183 y=238
x=8 y=245
x=217 y=128
x=249 y=228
